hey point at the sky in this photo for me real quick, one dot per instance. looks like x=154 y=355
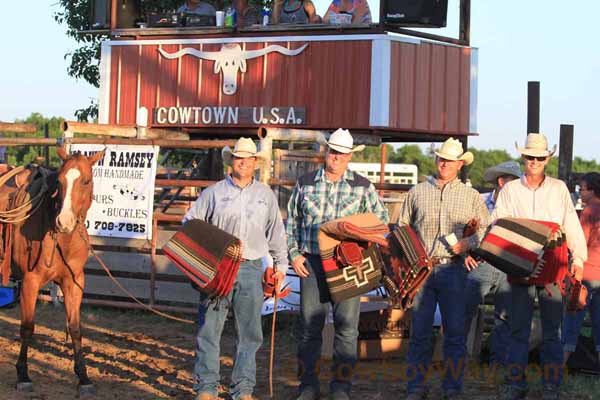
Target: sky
x=549 y=41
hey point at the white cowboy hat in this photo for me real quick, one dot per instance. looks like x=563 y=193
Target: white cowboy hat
x=536 y=145
x=506 y=168
x=244 y=148
x=341 y=141
x=452 y=150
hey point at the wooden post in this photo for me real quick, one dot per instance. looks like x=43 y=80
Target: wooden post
x=383 y=161
x=464 y=171
x=533 y=107
x=565 y=154
x=465 y=21
x=46 y=148
x=153 y=259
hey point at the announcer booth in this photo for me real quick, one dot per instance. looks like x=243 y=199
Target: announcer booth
x=379 y=79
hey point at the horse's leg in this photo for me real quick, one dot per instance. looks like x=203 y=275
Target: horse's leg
x=73 y=293
x=29 y=294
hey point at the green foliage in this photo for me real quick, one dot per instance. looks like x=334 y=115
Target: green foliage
x=484 y=159
x=23 y=155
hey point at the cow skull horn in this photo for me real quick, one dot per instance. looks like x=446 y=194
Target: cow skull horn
x=206 y=55
x=272 y=48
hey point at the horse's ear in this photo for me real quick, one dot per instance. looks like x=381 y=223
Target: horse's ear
x=96 y=157
x=62 y=153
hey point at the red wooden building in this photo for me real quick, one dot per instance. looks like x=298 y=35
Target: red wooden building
x=399 y=87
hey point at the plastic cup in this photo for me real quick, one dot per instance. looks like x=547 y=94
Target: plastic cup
x=220 y=18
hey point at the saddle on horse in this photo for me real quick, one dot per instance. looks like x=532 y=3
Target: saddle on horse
x=22 y=191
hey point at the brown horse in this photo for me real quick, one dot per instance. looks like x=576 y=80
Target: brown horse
x=51 y=245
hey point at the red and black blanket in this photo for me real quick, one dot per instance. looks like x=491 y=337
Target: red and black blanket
x=531 y=252
x=351 y=259
x=409 y=261
x=207 y=255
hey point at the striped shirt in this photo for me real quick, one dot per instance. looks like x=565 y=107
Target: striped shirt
x=435 y=212
x=251 y=214
x=316 y=200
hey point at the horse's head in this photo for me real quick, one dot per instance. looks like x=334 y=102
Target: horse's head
x=75 y=187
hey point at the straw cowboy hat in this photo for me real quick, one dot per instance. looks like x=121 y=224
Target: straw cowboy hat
x=244 y=148
x=452 y=150
x=536 y=145
x=492 y=174
x=341 y=141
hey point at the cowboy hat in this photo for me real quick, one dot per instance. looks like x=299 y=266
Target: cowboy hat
x=341 y=141
x=244 y=148
x=506 y=168
x=452 y=150
x=536 y=145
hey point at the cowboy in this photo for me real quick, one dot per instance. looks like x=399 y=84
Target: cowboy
x=329 y=193
x=484 y=279
x=540 y=197
x=247 y=209
x=438 y=210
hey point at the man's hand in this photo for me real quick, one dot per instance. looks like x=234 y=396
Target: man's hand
x=470 y=263
x=460 y=247
x=299 y=267
x=578 y=272
x=279 y=278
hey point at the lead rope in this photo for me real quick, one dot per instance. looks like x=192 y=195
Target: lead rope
x=273 y=335
x=110 y=275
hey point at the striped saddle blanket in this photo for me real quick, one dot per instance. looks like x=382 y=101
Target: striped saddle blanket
x=409 y=262
x=350 y=254
x=207 y=255
x=529 y=251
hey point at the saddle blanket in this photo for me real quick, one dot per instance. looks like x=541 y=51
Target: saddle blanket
x=207 y=255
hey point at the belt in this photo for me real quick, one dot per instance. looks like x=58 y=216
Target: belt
x=445 y=260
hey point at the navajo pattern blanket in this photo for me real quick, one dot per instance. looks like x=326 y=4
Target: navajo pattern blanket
x=207 y=255
x=351 y=258
x=409 y=261
x=529 y=251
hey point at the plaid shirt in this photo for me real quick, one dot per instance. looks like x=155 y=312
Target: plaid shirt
x=435 y=212
x=318 y=201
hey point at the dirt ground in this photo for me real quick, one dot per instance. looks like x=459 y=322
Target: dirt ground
x=135 y=355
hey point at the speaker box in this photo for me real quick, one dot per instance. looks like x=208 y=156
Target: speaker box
x=128 y=13
x=424 y=13
x=100 y=14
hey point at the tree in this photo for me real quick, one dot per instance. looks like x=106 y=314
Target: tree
x=85 y=60
x=22 y=155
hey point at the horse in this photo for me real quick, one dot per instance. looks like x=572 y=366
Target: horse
x=52 y=245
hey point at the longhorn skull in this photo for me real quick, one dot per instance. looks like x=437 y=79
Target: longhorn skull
x=231 y=59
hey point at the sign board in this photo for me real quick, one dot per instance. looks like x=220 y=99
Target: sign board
x=227 y=115
x=123 y=197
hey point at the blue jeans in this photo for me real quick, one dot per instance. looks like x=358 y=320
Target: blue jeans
x=551 y=311
x=481 y=281
x=446 y=287
x=315 y=302
x=246 y=298
x=573 y=321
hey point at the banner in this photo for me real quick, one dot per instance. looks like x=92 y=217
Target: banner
x=123 y=199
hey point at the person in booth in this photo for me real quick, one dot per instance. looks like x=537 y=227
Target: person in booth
x=358 y=9
x=295 y=12
x=197 y=7
x=247 y=209
x=439 y=210
x=320 y=196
